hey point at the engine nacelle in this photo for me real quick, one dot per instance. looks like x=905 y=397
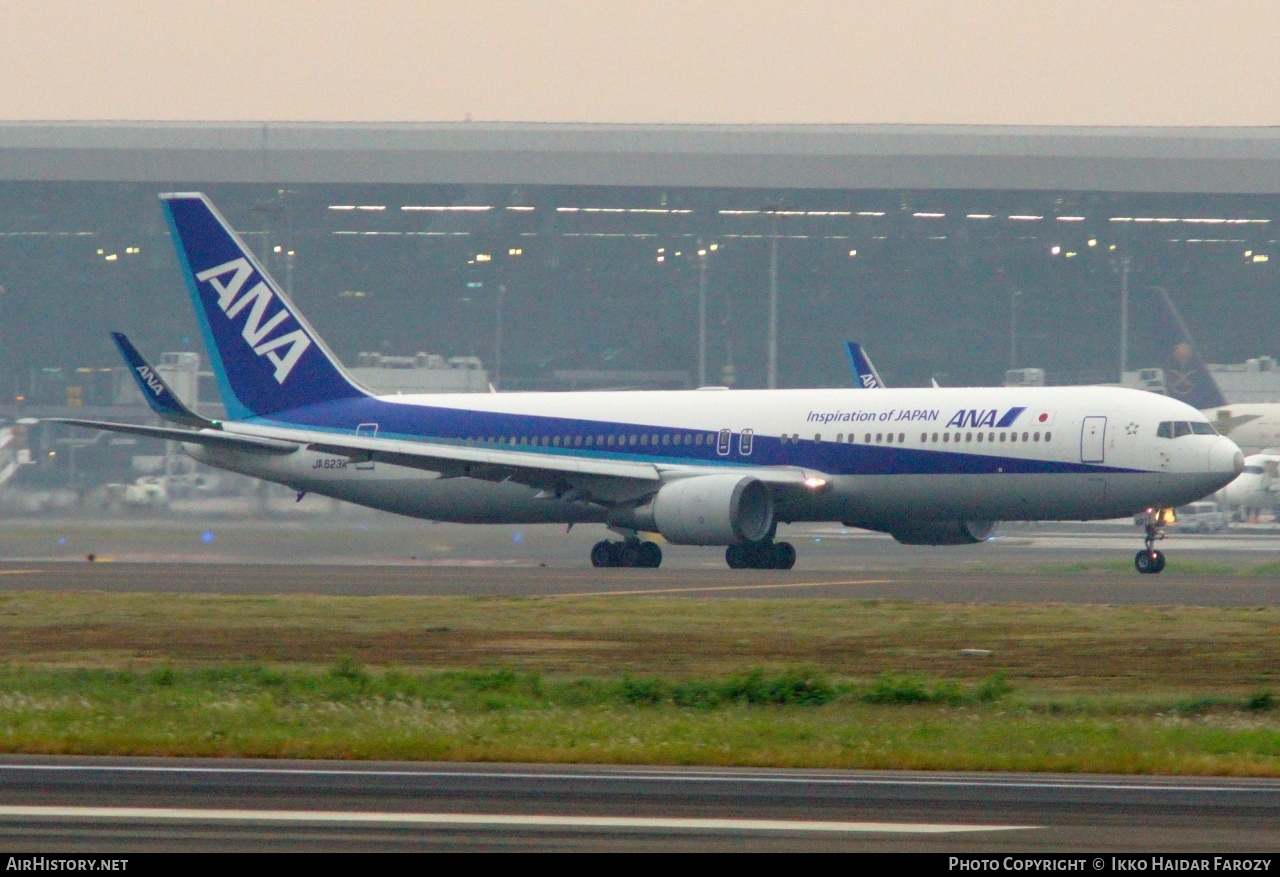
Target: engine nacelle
x=713 y=510
x=943 y=532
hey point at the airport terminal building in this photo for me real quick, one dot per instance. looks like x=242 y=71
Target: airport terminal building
x=559 y=256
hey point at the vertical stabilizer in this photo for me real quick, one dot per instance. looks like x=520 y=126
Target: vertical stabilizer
x=1185 y=375
x=266 y=357
x=863 y=371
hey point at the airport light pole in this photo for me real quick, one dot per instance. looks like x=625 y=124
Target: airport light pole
x=497 y=335
x=1124 y=316
x=772 y=378
x=702 y=315
x=1013 y=327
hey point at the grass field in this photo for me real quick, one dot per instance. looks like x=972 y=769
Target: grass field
x=821 y=683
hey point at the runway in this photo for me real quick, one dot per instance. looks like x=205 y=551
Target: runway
x=946 y=585
x=122 y=805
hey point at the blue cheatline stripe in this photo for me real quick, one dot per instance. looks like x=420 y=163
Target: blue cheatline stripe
x=419 y=423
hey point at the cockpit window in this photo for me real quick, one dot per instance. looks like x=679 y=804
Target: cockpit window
x=1179 y=428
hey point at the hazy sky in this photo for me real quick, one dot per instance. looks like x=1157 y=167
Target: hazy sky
x=1120 y=62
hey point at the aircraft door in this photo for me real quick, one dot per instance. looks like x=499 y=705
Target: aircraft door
x=1093 y=435
x=371 y=431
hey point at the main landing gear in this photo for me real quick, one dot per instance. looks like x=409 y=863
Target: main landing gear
x=630 y=552
x=1149 y=561
x=760 y=555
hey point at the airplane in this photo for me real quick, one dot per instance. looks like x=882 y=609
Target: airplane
x=1256 y=488
x=699 y=467
x=1254 y=426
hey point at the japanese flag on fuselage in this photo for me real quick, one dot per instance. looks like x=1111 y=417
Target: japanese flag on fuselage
x=1042 y=418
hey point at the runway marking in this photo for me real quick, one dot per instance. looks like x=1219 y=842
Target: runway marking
x=18 y=572
x=720 y=588
x=156 y=814
x=684 y=776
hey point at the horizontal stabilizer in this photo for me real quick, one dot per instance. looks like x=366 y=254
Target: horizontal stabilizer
x=209 y=438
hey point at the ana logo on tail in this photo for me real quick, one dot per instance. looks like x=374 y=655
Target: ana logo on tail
x=256 y=325
x=150 y=379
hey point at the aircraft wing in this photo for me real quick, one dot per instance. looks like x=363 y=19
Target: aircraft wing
x=607 y=481
x=601 y=480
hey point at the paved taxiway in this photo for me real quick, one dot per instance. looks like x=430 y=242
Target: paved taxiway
x=108 y=805
x=951 y=585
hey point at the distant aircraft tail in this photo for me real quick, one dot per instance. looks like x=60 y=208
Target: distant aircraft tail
x=863 y=371
x=265 y=355
x=155 y=391
x=1185 y=375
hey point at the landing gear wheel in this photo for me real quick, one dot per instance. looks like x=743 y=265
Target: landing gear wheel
x=760 y=555
x=626 y=553
x=648 y=555
x=737 y=557
x=784 y=555
x=602 y=554
x=1149 y=561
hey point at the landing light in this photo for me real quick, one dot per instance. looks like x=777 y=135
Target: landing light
x=815 y=483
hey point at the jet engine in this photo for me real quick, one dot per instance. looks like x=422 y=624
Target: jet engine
x=943 y=532
x=712 y=510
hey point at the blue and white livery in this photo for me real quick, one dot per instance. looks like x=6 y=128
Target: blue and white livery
x=700 y=467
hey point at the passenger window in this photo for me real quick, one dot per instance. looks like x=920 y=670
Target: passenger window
x=839 y=438
x=968 y=436
x=867 y=439
x=979 y=436
x=644 y=439
x=745 y=441
x=1026 y=436
x=935 y=436
x=666 y=438
x=889 y=438
x=722 y=446
x=924 y=437
x=1036 y=437
x=879 y=437
x=817 y=436
x=1003 y=436
x=699 y=438
x=1047 y=436
x=946 y=437
x=902 y=437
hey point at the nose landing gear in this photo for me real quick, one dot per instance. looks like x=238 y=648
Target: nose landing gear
x=1149 y=561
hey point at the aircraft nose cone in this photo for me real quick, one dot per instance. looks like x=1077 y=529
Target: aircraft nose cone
x=1225 y=458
